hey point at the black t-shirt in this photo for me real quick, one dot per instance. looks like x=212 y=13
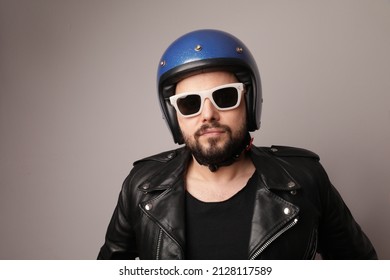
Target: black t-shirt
x=220 y=230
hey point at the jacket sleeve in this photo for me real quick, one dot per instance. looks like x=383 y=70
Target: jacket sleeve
x=120 y=238
x=340 y=236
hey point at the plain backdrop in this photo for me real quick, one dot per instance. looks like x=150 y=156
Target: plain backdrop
x=78 y=105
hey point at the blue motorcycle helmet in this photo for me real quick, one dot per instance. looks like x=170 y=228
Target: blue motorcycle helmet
x=208 y=50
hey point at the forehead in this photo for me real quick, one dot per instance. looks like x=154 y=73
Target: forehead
x=204 y=81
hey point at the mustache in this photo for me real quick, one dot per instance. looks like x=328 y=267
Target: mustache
x=205 y=127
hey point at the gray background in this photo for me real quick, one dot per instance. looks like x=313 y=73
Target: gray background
x=78 y=105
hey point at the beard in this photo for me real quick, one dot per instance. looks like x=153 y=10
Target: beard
x=215 y=151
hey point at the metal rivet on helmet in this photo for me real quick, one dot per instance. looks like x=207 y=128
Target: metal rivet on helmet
x=198 y=48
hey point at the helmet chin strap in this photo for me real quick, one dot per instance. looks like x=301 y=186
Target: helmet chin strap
x=245 y=146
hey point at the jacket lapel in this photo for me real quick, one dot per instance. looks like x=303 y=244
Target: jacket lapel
x=272 y=215
x=166 y=208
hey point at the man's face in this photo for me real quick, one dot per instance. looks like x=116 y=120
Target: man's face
x=213 y=135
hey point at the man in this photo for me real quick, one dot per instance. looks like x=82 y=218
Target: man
x=220 y=197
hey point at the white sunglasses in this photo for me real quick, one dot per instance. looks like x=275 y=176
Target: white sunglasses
x=224 y=97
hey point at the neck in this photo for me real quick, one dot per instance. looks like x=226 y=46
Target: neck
x=221 y=184
x=242 y=165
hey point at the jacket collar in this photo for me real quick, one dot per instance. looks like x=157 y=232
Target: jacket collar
x=166 y=207
x=273 y=174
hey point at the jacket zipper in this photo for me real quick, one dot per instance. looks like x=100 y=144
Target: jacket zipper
x=266 y=244
x=160 y=234
x=159 y=245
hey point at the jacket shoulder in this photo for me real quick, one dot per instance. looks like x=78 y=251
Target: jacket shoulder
x=156 y=172
x=161 y=157
x=286 y=151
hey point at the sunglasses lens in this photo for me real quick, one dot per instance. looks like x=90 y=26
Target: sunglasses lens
x=189 y=105
x=226 y=97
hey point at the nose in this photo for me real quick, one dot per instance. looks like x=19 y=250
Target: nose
x=209 y=112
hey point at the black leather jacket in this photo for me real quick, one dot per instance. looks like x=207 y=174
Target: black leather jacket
x=297 y=211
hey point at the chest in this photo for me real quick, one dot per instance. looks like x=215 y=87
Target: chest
x=219 y=230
